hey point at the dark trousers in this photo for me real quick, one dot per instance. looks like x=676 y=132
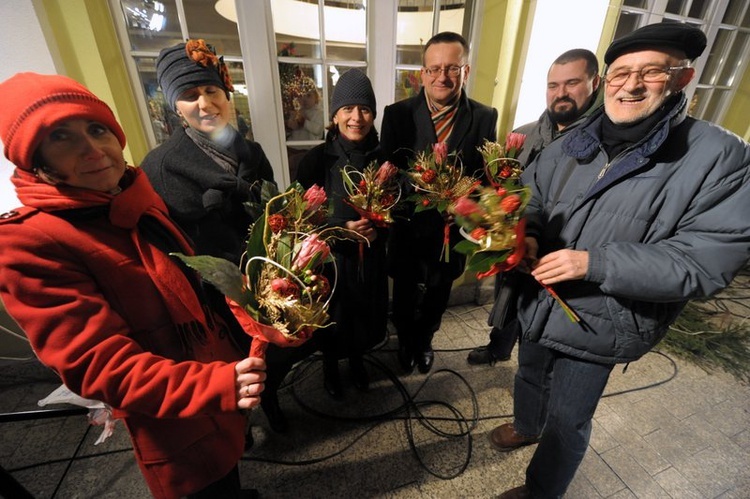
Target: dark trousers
x=418 y=309
x=505 y=327
x=555 y=397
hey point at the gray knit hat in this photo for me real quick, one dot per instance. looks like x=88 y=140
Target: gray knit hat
x=189 y=65
x=353 y=87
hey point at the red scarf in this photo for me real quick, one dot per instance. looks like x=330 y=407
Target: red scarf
x=125 y=209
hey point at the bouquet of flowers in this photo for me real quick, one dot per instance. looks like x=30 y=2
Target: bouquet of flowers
x=373 y=191
x=279 y=294
x=438 y=180
x=491 y=223
x=491 y=218
x=500 y=161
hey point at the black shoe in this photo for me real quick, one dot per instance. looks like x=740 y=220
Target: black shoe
x=425 y=361
x=483 y=355
x=360 y=379
x=332 y=379
x=406 y=358
x=275 y=416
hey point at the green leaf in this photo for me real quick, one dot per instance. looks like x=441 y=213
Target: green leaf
x=482 y=261
x=223 y=274
x=466 y=247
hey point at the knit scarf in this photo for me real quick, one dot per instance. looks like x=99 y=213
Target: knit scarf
x=222 y=150
x=135 y=209
x=443 y=118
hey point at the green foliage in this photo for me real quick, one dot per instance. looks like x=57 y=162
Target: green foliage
x=223 y=274
x=696 y=338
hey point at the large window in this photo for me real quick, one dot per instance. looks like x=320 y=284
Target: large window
x=147 y=26
x=727 y=27
x=285 y=57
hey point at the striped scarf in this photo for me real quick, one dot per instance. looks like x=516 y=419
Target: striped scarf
x=443 y=118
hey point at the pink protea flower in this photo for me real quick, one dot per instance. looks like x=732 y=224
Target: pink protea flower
x=513 y=143
x=386 y=172
x=315 y=197
x=312 y=252
x=441 y=152
x=465 y=207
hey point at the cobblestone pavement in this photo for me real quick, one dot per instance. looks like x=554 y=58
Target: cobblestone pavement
x=677 y=432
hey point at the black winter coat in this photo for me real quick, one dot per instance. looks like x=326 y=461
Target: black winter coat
x=204 y=199
x=359 y=306
x=416 y=243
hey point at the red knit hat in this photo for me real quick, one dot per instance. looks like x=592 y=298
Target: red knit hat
x=32 y=104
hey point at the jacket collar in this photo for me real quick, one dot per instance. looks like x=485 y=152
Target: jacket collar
x=583 y=142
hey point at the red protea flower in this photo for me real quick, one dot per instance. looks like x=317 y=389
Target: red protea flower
x=285 y=287
x=506 y=171
x=362 y=186
x=478 y=233
x=386 y=199
x=510 y=203
x=501 y=191
x=425 y=202
x=418 y=168
x=322 y=287
x=277 y=223
x=428 y=176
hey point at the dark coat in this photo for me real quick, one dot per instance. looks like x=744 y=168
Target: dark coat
x=416 y=243
x=359 y=306
x=204 y=199
x=663 y=222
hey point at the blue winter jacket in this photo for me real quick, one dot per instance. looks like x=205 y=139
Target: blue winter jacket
x=665 y=221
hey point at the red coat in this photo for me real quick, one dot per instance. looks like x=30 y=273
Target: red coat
x=77 y=286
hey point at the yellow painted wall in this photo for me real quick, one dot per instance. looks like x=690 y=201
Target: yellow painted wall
x=737 y=119
x=83 y=32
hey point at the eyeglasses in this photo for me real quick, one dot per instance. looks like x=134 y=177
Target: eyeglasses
x=451 y=71
x=646 y=75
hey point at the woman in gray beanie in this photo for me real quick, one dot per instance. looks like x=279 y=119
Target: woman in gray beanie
x=206 y=172
x=359 y=307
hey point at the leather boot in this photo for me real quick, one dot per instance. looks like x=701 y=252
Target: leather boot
x=360 y=379
x=504 y=438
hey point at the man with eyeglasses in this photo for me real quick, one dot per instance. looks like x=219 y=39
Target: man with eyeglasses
x=441 y=112
x=572 y=94
x=635 y=212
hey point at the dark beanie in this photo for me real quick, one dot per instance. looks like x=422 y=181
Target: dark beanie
x=189 y=65
x=684 y=37
x=33 y=104
x=353 y=87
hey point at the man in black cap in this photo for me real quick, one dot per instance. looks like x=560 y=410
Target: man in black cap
x=635 y=212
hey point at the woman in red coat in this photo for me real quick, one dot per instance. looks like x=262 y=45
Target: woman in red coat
x=85 y=271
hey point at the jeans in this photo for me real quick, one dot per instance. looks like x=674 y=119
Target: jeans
x=555 y=397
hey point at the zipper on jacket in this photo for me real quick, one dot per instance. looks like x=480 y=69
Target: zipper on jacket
x=604 y=170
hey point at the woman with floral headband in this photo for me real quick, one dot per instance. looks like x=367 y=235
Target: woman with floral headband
x=85 y=271
x=359 y=307
x=207 y=171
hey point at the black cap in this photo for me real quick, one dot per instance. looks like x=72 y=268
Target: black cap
x=176 y=71
x=353 y=87
x=684 y=37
